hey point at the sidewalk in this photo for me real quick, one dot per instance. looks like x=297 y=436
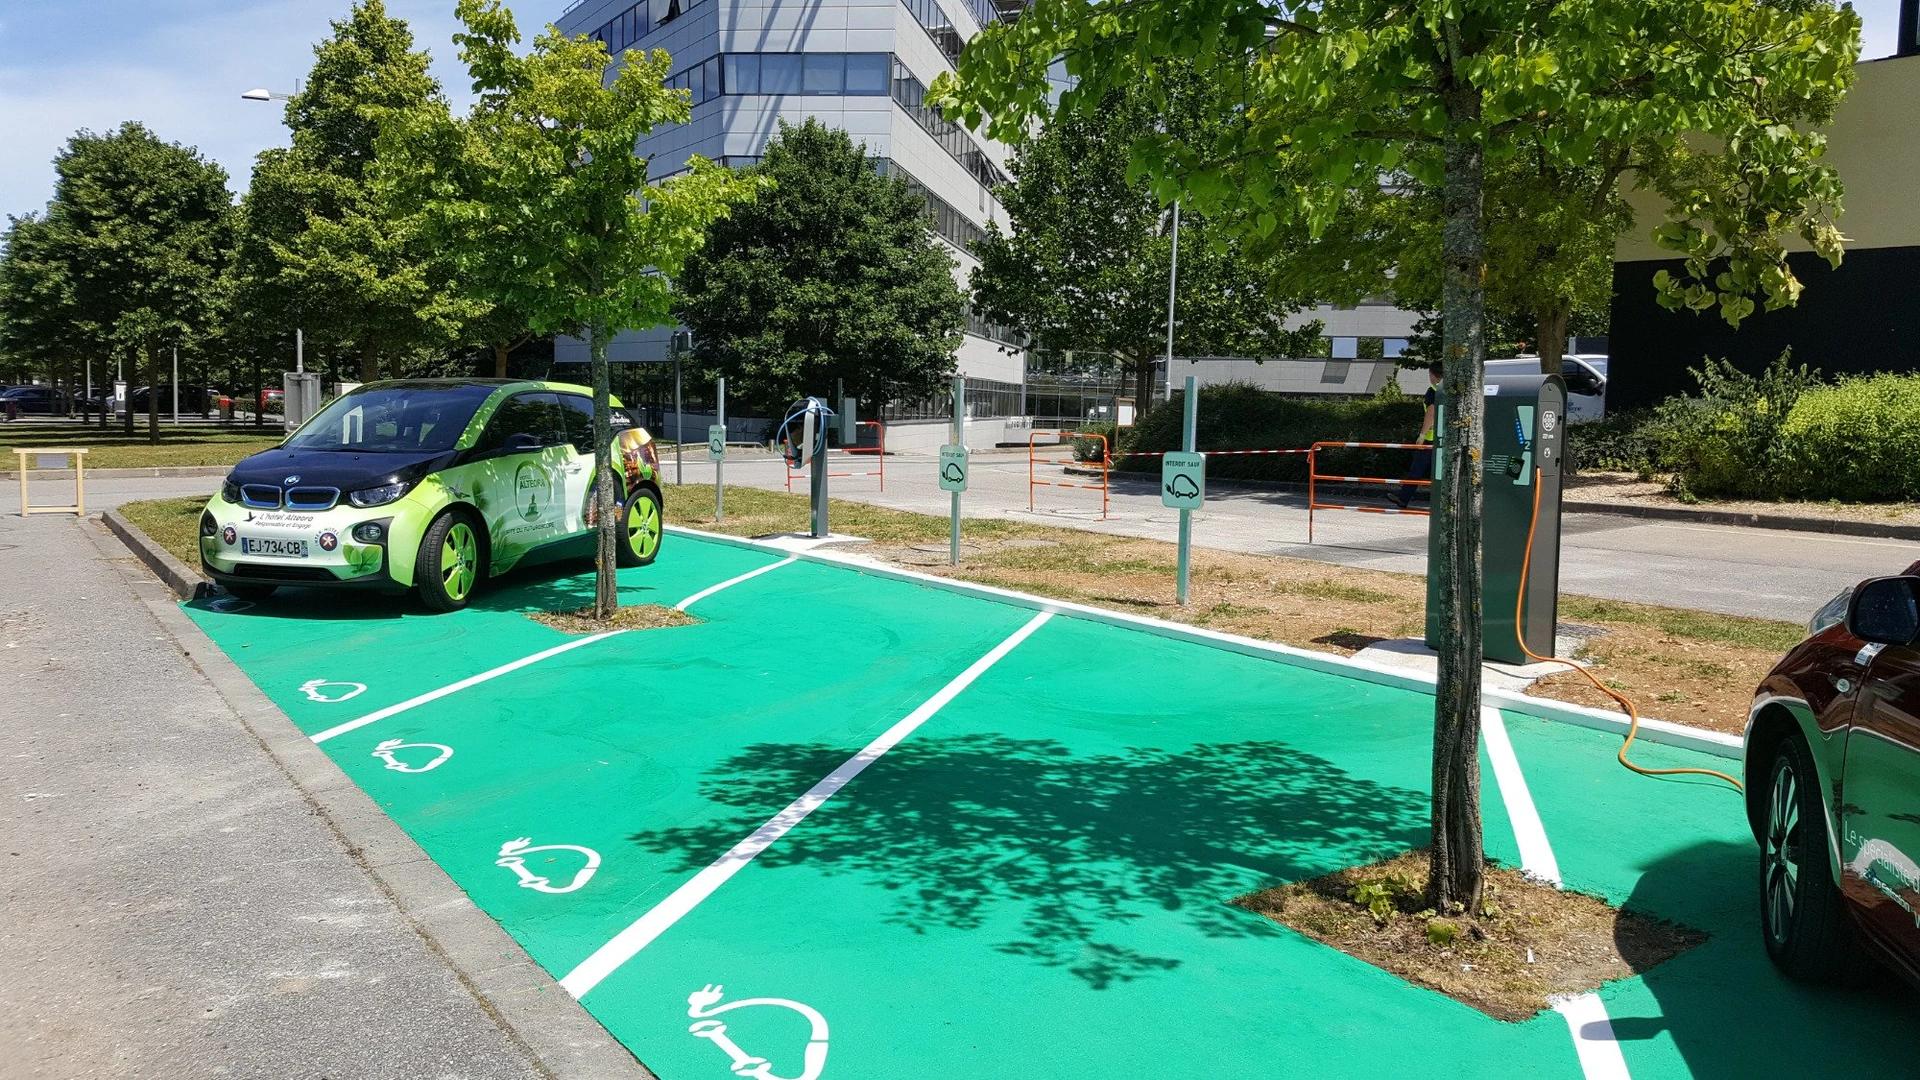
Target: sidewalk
x=174 y=906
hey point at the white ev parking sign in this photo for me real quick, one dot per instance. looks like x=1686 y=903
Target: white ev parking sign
x=953 y=468
x=1183 y=481
x=716 y=442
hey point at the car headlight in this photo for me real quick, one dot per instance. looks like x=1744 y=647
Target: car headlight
x=1831 y=613
x=379 y=496
x=230 y=490
x=207 y=525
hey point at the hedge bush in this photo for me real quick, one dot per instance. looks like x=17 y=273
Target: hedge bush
x=1857 y=440
x=1240 y=416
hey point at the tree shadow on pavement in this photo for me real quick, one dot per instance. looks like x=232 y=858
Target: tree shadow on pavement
x=558 y=586
x=1729 y=1012
x=1061 y=854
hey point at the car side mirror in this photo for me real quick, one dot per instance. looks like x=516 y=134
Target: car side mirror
x=1885 y=611
x=521 y=443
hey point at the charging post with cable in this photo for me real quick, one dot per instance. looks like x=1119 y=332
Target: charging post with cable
x=1526 y=424
x=808 y=446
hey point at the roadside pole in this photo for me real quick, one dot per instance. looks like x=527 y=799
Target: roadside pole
x=719 y=456
x=816 y=433
x=1183 y=483
x=953 y=465
x=176 y=386
x=679 y=423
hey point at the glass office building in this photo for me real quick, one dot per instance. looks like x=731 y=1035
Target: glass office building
x=860 y=65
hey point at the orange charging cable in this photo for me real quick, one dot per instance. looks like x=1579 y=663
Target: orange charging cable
x=1633 y=729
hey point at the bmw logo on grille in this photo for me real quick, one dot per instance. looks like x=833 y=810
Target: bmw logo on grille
x=328 y=541
x=229 y=535
x=291 y=479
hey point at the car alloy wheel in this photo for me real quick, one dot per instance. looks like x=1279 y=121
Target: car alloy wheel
x=459 y=557
x=1782 y=857
x=643 y=526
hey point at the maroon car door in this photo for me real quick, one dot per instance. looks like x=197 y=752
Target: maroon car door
x=1880 y=808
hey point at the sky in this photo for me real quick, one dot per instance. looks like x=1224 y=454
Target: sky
x=179 y=66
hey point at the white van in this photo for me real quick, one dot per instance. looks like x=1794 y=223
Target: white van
x=1585 y=374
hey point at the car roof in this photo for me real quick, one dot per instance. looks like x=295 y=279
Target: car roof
x=457 y=384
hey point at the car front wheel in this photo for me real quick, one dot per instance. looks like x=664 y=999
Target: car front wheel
x=448 y=566
x=1801 y=914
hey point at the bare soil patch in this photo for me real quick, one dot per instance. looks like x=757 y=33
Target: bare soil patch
x=1530 y=942
x=633 y=617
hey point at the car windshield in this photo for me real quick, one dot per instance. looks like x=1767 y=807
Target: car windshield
x=393 y=419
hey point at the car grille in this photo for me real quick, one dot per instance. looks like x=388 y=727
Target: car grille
x=260 y=496
x=312 y=498
x=282 y=573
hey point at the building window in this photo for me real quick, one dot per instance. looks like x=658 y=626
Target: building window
x=780 y=73
x=626 y=29
x=867 y=74
x=938 y=27
x=954 y=139
x=823 y=73
x=701 y=81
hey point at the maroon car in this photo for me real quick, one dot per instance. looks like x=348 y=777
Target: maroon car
x=1832 y=770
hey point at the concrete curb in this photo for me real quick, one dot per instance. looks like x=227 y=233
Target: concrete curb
x=561 y=1039
x=121 y=474
x=186 y=582
x=1790 y=522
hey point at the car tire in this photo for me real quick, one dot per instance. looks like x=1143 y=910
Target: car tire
x=1802 y=914
x=448 y=569
x=642 y=528
x=253 y=594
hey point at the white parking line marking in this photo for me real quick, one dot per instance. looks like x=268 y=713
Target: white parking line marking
x=454 y=688
x=628 y=943
x=1593 y=1040
x=1536 y=855
x=728 y=584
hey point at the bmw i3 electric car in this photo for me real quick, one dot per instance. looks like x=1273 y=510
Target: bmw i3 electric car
x=1832 y=765
x=430 y=485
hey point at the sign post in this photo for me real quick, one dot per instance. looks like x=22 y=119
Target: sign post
x=1183 y=483
x=953 y=465
x=717 y=443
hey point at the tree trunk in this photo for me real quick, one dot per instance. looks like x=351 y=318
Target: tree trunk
x=606 y=593
x=500 y=360
x=153 y=395
x=1551 y=326
x=369 y=361
x=1457 y=856
x=1143 y=385
x=259 y=398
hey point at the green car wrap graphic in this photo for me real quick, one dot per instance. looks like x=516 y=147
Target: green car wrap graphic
x=349 y=497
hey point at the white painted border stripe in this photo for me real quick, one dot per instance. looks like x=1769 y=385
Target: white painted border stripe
x=1593 y=1040
x=454 y=688
x=1536 y=855
x=628 y=943
x=729 y=583
x=1712 y=743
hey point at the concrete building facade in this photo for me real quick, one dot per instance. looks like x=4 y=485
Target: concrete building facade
x=859 y=65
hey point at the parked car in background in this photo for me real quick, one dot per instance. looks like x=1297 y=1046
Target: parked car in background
x=41 y=400
x=1832 y=768
x=1585 y=375
x=197 y=400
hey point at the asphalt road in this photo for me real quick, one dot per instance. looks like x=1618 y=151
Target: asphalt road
x=1767 y=573
x=171 y=906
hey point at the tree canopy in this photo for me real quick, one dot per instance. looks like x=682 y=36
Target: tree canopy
x=1336 y=101
x=319 y=248
x=830 y=275
x=548 y=174
x=1086 y=262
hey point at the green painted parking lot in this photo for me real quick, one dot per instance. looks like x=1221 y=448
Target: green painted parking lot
x=848 y=825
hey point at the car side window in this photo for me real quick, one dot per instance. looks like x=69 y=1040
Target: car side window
x=1579 y=379
x=537 y=415
x=577 y=411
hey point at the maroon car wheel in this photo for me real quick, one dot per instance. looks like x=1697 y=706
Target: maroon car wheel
x=1801 y=918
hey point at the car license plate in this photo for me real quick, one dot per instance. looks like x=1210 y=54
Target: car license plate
x=280 y=549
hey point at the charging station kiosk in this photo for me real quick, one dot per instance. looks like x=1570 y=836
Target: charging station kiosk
x=1526 y=427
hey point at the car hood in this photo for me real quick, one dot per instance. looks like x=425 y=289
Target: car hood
x=346 y=470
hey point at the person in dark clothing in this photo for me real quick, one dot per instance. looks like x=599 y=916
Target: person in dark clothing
x=1421 y=467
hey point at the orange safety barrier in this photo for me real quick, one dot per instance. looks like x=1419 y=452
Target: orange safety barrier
x=1034 y=460
x=879 y=450
x=1314 y=476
